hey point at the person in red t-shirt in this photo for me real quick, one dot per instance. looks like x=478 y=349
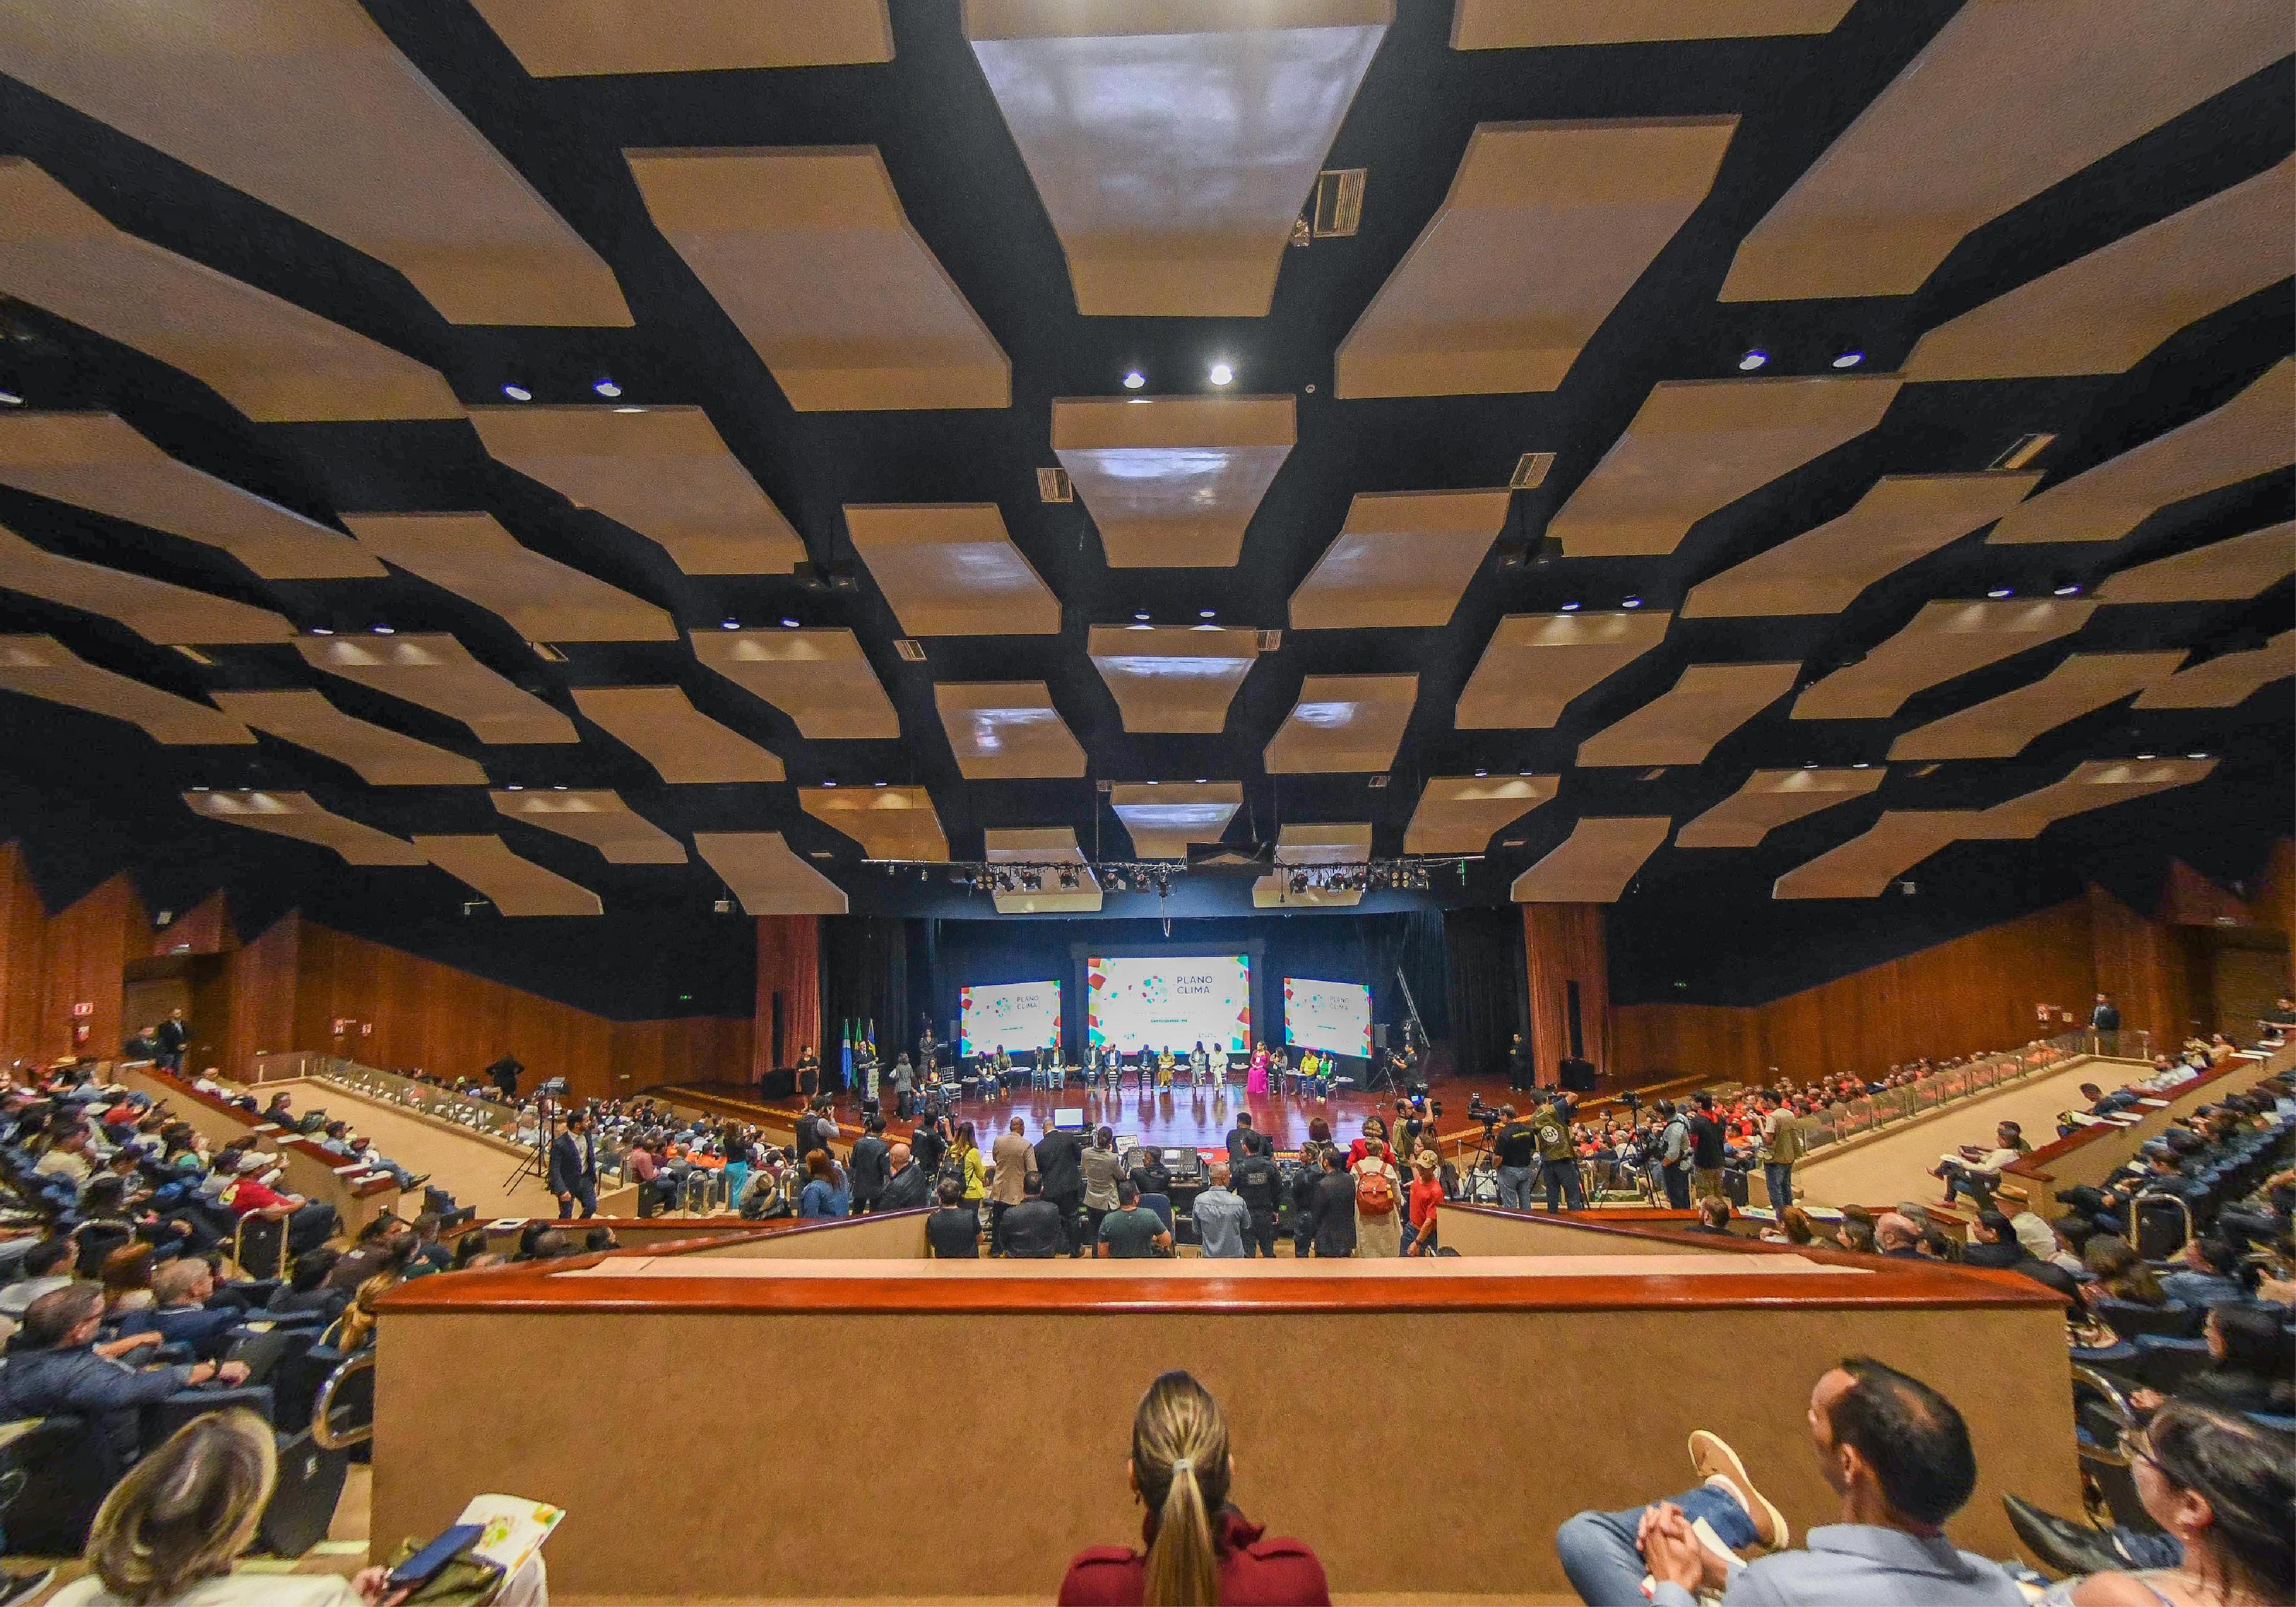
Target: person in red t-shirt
x=1426 y=1200
x=309 y=1222
x=1200 y=1548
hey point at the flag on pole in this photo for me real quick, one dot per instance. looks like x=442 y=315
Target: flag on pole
x=845 y=1056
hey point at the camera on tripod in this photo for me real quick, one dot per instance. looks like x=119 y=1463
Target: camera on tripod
x=1491 y=1116
x=555 y=1086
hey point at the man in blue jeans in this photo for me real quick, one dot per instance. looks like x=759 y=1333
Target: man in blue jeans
x=1893 y=1449
x=1518 y=1156
x=1781 y=1148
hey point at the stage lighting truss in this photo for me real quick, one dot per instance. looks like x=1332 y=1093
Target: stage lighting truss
x=994 y=876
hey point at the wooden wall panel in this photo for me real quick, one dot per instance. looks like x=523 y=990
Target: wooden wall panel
x=789 y=963
x=259 y=991
x=1975 y=993
x=1563 y=943
x=88 y=947
x=2145 y=965
x=23 y=958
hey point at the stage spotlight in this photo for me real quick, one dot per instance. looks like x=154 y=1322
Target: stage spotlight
x=1298 y=881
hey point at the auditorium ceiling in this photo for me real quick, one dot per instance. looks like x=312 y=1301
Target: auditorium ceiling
x=597 y=455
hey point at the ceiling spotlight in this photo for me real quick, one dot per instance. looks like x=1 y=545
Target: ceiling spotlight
x=2070 y=589
x=877 y=783
x=1203 y=781
x=384 y=630
x=1222 y=374
x=321 y=630
x=1861 y=764
x=629 y=410
x=828 y=780
x=558 y=787
x=787 y=623
x=2196 y=756
x=9 y=399
x=2147 y=756
x=1752 y=360
x=1809 y=764
x=1570 y=608
x=605 y=387
x=1207 y=613
x=1631 y=602
x=1141 y=615
x=1849 y=359
x=518 y=393
x=1999 y=592
x=1480 y=774
x=1133 y=379
x=729 y=625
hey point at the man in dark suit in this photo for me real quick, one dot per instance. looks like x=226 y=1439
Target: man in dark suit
x=504 y=1073
x=871 y=1166
x=1060 y=1162
x=574 y=1167
x=172 y=1035
x=1521 y=1075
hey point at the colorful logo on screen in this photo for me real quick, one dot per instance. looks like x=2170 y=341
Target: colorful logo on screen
x=1169 y=1003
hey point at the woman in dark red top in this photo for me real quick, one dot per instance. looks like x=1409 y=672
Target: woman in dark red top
x=1202 y=1552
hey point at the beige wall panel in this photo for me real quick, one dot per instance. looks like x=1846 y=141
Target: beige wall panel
x=1545 y=228
x=2009 y=97
x=1327 y=842
x=305 y=105
x=1164 y=818
x=685 y=745
x=2247 y=436
x=808 y=251
x=439 y=673
x=515 y=886
x=1771 y=798
x=96 y=461
x=1042 y=844
x=1343 y=723
x=560 y=38
x=41 y=667
x=1460 y=814
x=1521 y=24
x=1171 y=203
x=268 y=358
x=152 y=609
x=1536 y=664
x=1404 y=558
x=2003 y=727
x=1696 y=445
x=544 y=599
x=1905 y=517
x=1006 y=731
x=382 y=757
x=2229 y=679
x=1864 y=866
x=599 y=818
x=1172 y=678
x=1594 y=862
x=819 y=678
x=1944 y=640
x=2095 y=785
x=1681 y=726
x=1171 y=481
x=888 y=822
x=2222 y=572
x=663 y=471
x=2101 y=312
x=951 y=570
x=767 y=875
x=301 y=817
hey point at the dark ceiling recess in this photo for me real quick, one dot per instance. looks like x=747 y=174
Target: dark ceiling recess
x=90 y=794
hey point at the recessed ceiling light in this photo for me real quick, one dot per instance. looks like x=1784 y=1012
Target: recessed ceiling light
x=877 y=783
x=515 y=787
x=1142 y=615
x=1480 y=774
x=1570 y=608
x=1203 y=781
x=2067 y=590
x=1522 y=773
x=1133 y=379
x=1999 y=592
x=1849 y=359
x=1153 y=783
x=1861 y=764
x=1631 y=602
x=2196 y=756
x=629 y=410
x=321 y=630
x=384 y=630
x=518 y=393
x=9 y=399
x=1752 y=360
x=1207 y=613
x=1810 y=764
x=560 y=787
x=787 y=623
x=1222 y=374
x=605 y=387
x=2146 y=756
x=829 y=780
x=729 y=625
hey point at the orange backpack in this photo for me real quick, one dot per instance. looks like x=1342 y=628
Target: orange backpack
x=1375 y=1194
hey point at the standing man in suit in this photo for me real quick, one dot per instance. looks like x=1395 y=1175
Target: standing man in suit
x=504 y=1074
x=870 y=1165
x=574 y=1167
x=1521 y=1076
x=2105 y=1020
x=1060 y=1162
x=173 y=1034
x=1014 y=1160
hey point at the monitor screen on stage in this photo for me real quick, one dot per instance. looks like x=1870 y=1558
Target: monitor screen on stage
x=1019 y=1015
x=1334 y=1017
x=1169 y=1000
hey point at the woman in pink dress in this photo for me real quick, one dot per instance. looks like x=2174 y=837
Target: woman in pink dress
x=1255 y=1080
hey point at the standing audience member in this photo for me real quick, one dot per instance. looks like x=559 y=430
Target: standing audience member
x=1379 y=1199
x=1200 y=1549
x=1060 y=1157
x=953 y=1233
x=1518 y=1157
x=1015 y=1161
x=1102 y=1169
x=1781 y=1148
x=1331 y=1215
x=1032 y=1230
x=574 y=1167
x=1259 y=1182
x=1707 y=1152
x=1558 y=1157
x=1426 y=1202
x=1221 y=1218
x=870 y=1165
x=909 y=1187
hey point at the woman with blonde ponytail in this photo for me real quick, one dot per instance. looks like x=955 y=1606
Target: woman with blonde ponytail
x=1202 y=1552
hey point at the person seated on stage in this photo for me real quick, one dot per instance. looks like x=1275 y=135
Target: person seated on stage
x=953 y=1231
x=1200 y=1065
x=1898 y=1456
x=1132 y=1232
x=1032 y=1230
x=1165 y=1066
x=1199 y=1547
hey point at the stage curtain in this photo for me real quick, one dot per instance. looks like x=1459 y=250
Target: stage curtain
x=865 y=976
x=1483 y=983
x=789 y=963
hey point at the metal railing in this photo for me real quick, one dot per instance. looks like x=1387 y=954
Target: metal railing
x=1870 y=1111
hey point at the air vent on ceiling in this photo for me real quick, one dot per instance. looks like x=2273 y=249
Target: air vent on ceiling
x=547 y=653
x=1339 y=203
x=1053 y=485
x=835 y=576
x=1530 y=471
x=723 y=907
x=1270 y=640
x=2021 y=451
x=1102 y=786
x=195 y=655
x=1378 y=782
x=910 y=649
x=1517 y=555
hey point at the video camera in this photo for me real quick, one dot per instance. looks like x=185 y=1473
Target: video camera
x=1491 y=1116
x=555 y=1086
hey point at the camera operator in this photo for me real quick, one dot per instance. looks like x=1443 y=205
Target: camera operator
x=1673 y=1155
x=1517 y=1153
x=1558 y=1157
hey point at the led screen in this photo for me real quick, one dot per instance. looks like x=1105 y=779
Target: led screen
x=1019 y=1015
x=1334 y=1017
x=1169 y=1000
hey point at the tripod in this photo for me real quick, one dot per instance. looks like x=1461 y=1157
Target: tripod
x=536 y=1162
